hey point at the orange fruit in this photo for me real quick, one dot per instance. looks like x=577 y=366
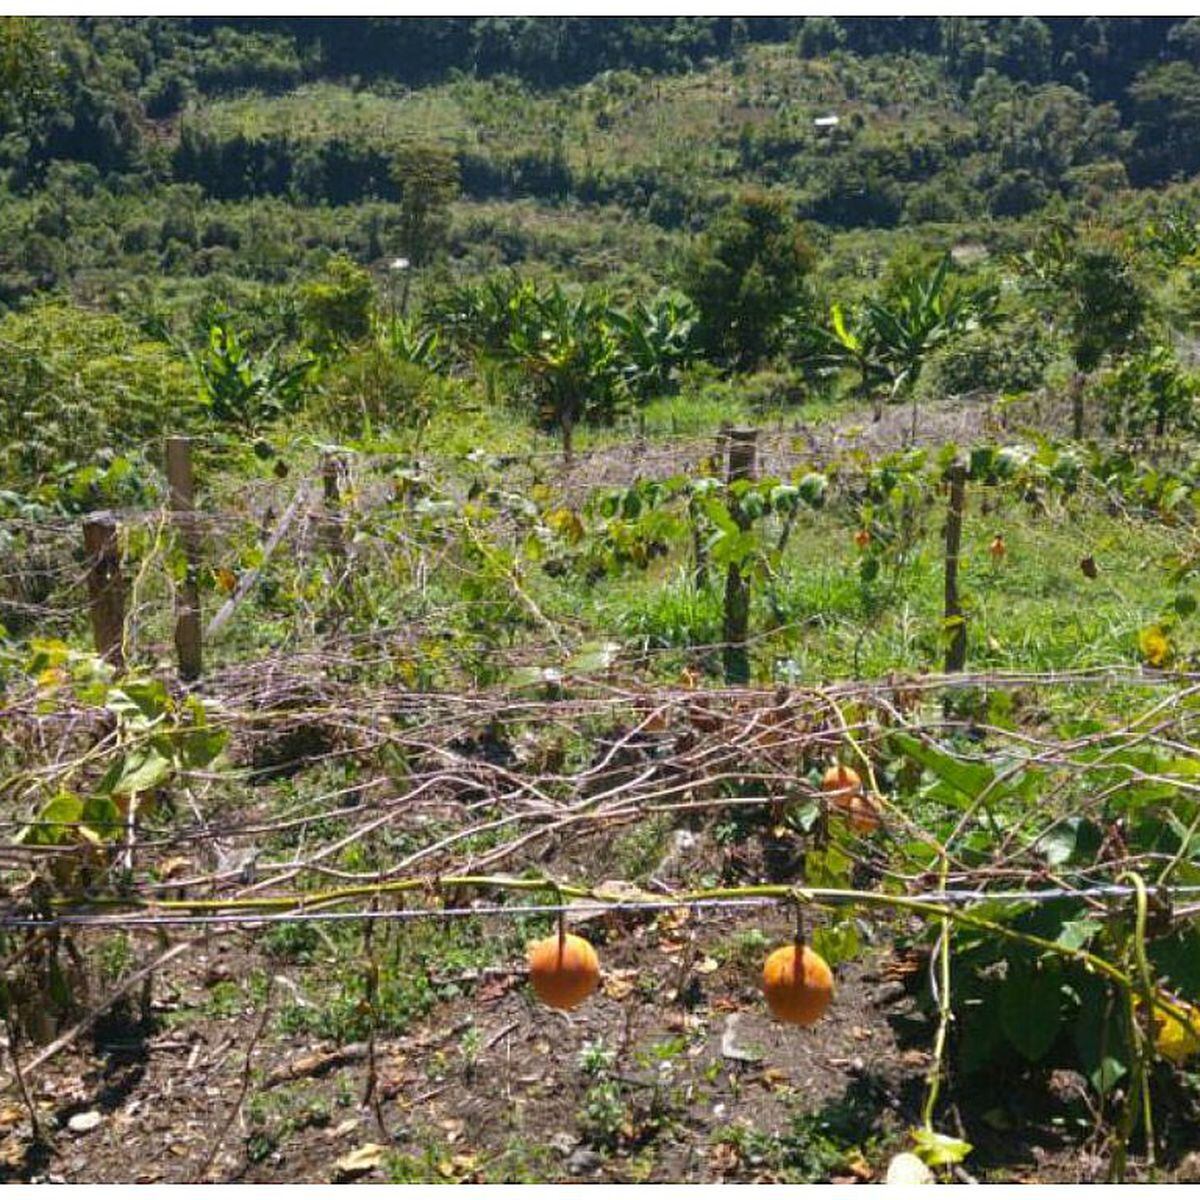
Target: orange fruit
x=862 y=539
x=564 y=971
x=841 y=782
x=797 y=984
x=998 y=549
x=863 y=813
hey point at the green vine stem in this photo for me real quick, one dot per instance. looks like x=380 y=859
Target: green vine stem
x=313 y=901
x=945 y=1012
x=1141 y=1041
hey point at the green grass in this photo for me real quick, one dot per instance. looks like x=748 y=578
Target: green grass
x=1036 y=610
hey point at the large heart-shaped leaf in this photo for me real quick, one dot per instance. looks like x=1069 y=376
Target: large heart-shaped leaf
x=1031 y=1009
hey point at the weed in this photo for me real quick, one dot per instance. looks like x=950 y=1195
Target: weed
x=114 y=956
x=595 y=1058
x=605 y=1118
x=639 y=850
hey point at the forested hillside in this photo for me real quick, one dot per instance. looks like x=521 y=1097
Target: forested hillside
x=599 y=599
x=121 y=135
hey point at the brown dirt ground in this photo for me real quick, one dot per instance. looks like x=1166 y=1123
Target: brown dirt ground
x=166 y=1094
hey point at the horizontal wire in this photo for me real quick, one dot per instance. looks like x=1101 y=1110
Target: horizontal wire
x=577 y=908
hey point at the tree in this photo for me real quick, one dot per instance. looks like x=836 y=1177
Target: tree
x=427 y=180
x=1022 y=48
x=1166 y=122
x=1094 y=296
x=1107 y=304
x=1148 y=391
x=745 y=275
x=28 y=74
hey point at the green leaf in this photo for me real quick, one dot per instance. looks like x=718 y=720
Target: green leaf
x=1031 y=1009
x=140 y=702
x=197 y=748
x=732 y=548
x=141 y=770
x=1076 y=934
x=101 y=815
x=1100 y=1044
x=836 y=943
x=1075 y=840
x=979 y=1036
x=968 y=780
x=804 y=816
x=939 y=1149
x=54 y=824
x=813 y=488
x=827 y=868
x=1177 y=957
x=716 y=511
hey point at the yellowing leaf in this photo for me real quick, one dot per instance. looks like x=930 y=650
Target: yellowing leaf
x=566 y=524
x=175 y=865
x=1153 y=643
x=359 y=1162
x=619 y=983
x=1177 y=1038
x=939 y=1149
x=226 y=579
x=52 y=677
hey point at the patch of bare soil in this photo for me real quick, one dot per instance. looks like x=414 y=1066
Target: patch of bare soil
x=673 y=1072
x=493 y=1086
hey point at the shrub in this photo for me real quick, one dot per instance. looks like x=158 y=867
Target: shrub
x=73 y=382
x=372 y=390
x=1005 y=358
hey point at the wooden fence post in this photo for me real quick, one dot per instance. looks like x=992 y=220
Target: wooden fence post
x=956 y=625
x=743 y=464
x=722 y=446
x=106 y=588
x=180 y=484
x=332 y=466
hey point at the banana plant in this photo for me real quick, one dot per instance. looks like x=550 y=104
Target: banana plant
x=846 y=344
x=244 y=389
x=416 y=344
x=655 y=340
x=927 y=312
x=565 y=347
x=479 y=318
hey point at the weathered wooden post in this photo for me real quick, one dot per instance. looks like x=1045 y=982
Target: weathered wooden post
x=955 y=622
x=332 y=466
x=722 y=445
x=743 y=464
x=106 y=588
x=181 y=487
